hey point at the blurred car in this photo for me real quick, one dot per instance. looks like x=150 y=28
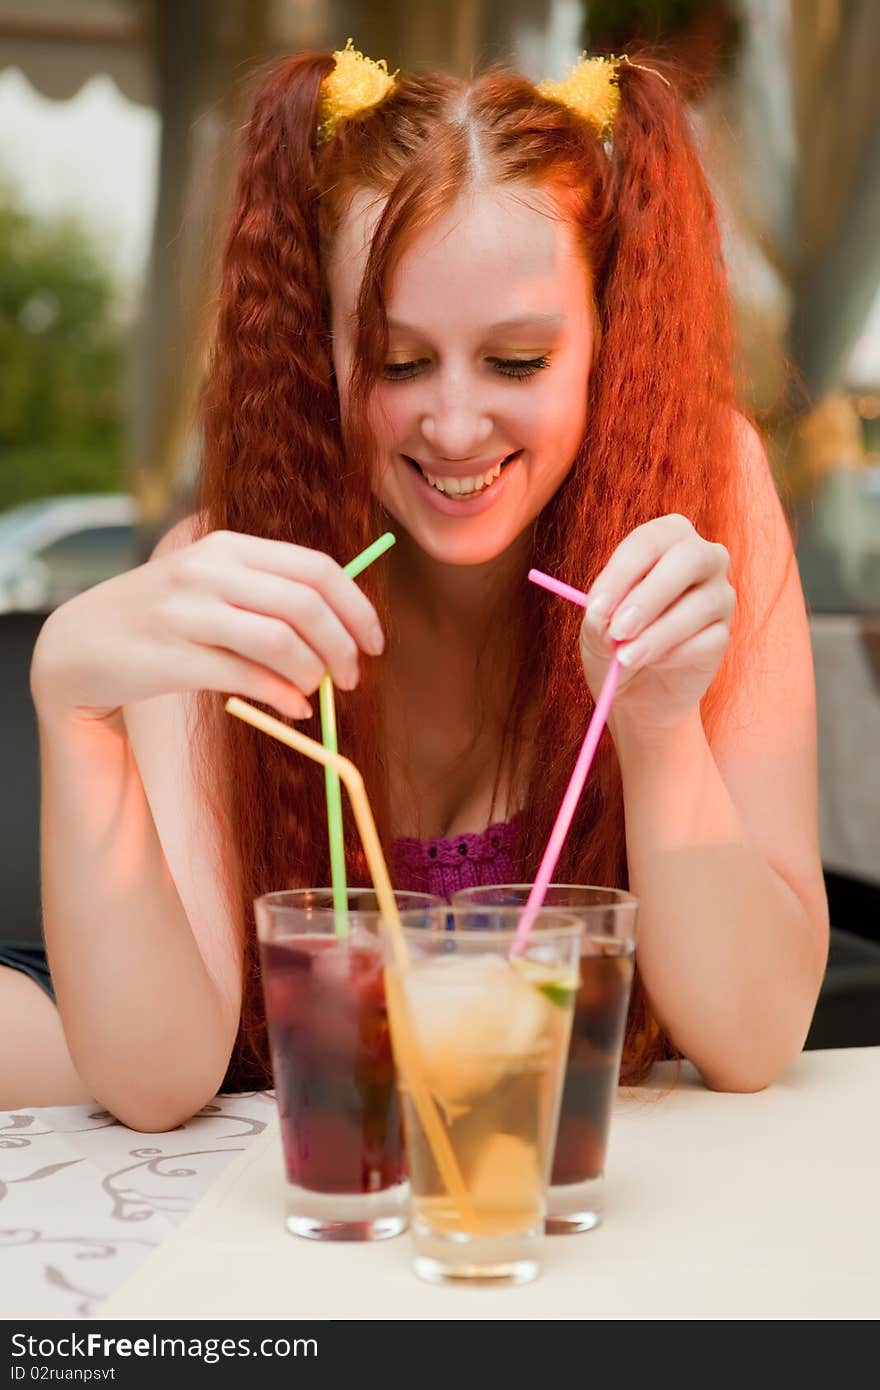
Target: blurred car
x=55 y=547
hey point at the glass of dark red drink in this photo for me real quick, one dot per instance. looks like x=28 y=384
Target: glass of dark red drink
x=332 y=1063
x=607 y=962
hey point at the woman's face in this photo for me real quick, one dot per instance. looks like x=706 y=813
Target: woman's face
x=482 y=404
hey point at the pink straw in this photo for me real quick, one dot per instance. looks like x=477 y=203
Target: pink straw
x=577 y=780
x=556 y=586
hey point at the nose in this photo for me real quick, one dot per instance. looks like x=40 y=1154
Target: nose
x=456 y=426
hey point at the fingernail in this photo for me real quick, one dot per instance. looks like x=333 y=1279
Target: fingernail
x=376 y=641
x=305 y=710
x=624 y=624
x=630 y=655
x=598 y=610
x=350 y=679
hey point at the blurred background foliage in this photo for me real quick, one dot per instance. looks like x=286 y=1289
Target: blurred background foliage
x=97 y=389
x=702 y=35
x=63 y=347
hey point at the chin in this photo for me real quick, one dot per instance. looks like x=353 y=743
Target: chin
x=475 y=544
x=459 y=551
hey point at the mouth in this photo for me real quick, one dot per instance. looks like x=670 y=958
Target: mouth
x=463 y=488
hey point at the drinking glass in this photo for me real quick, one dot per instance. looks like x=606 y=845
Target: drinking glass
x=480 y=1039
x=607 y=961
x=332 y=1062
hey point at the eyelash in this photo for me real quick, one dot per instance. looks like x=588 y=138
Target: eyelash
x=518 y=370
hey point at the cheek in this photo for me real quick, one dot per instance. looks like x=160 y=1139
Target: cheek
x=391 y=417
x=556 y=418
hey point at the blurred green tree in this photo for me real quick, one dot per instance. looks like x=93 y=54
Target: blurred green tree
x=62 y=360
x=698 y=36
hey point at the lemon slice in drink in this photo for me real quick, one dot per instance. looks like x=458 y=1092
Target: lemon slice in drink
x=558 y=984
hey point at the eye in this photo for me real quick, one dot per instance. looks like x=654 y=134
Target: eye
x=404 y=371
x=516 y=367
x=519 y=367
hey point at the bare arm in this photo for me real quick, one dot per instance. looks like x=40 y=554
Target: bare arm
x=143 y=943
x=149 y=1030
x=722 y=841
x=733 y=936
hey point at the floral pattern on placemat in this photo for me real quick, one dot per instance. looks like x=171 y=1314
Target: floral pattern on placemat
x=84 y=1199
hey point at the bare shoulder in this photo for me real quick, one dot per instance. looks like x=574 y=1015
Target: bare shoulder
x=183 y=533
x=768 y=526
x=765 y=743
x=770 y=633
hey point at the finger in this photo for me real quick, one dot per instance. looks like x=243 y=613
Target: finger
x=318 y=571
x=230 y=674
x=632 y=560
x=596 y=644
x=305 y=612
x=268 y=642
x=686 y=564
x=700 y=610
x=702 y=652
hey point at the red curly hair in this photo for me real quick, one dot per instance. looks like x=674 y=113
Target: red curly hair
x=659 y=439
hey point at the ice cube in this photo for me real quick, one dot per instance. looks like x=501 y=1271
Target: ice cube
x=505 y=1185
x=475 y=1019
x=360 y=938
x=332 y=965
x=338 y=962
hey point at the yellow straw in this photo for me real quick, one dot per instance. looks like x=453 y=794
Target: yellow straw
x=354 y=785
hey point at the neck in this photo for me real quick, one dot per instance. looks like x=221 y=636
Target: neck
x=458 y=601
x=448 y=678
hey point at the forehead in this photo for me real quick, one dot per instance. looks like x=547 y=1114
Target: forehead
x=494 y=253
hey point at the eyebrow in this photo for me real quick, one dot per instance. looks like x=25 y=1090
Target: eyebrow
x=551 y=322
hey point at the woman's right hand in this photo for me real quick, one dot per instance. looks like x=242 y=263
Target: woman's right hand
x=230 y=612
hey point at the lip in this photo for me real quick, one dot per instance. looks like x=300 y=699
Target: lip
x=476 y=503
x=471 y=468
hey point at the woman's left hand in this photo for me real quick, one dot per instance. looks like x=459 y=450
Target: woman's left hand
x=663 y=604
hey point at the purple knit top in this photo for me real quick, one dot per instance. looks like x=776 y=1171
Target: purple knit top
x=463 y=861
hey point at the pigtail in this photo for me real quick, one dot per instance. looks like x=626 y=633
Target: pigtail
x=659 y=440
x=274 y=466
x=270 y=413
x=663 y=402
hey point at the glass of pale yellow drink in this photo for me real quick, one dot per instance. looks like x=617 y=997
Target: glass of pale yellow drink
x=607 y=964
x=480 y=1038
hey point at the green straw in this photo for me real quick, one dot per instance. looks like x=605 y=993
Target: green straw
x=366 y=557
x=328 y=738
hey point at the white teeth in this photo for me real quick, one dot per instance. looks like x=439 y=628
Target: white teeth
x=461 y=487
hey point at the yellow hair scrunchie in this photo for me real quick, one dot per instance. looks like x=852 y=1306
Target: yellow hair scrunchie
x=590 y=90
x=355 y=85
x=358 y=83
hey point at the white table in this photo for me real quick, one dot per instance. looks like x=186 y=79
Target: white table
x=718 y=1207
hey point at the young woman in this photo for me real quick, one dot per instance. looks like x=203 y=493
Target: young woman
x=494 y=319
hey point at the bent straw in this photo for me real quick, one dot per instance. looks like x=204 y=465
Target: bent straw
x=436 y=1135
x=578 y=778
x=331 y=776
x=354 y=783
